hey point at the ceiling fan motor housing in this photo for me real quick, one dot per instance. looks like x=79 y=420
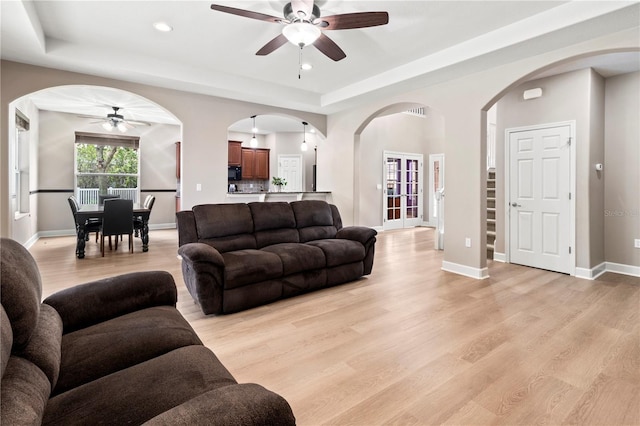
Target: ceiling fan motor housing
x=291 y=16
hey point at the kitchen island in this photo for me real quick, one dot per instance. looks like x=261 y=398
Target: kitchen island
x=250 y=197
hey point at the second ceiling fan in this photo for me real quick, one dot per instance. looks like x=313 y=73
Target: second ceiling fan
x=303 y=25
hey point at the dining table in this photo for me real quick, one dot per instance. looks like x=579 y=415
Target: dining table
x=96 y=211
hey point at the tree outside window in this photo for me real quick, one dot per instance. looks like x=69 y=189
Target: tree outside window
x=106 y=164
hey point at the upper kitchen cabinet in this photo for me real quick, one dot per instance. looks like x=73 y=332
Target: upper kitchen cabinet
x=235 y=153
x=255 y=163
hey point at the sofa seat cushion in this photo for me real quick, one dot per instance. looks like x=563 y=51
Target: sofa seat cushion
x=110 y=346
x=141 y=392
x=244 y=267
x=298 y=257
x=340 y=252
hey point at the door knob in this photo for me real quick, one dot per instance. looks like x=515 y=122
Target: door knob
x=515 y=205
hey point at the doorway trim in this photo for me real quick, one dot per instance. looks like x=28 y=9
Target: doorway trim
x=572 y=187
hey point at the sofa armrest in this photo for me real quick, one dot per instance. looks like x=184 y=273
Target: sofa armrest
x=245 y=404
x=200 y=252
x=361 y=234
x=203 y=273
x=97 y=301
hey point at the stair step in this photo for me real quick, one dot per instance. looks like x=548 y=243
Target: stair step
x=490 y=247
x=491 y=198
x=491 y=233
x=491 y=220
x=491 y=209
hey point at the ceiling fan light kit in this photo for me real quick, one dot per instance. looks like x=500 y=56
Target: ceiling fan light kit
x=301 y=33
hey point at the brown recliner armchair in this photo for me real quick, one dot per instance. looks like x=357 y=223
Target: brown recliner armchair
x=113 y=351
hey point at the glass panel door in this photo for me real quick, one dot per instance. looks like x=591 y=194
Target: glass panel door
x=393 y=205
x=403 y=200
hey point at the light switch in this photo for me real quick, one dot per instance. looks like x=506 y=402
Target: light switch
x=198 y=187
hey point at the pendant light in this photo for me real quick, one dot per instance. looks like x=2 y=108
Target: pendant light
x=254 y=141
x=304 y=145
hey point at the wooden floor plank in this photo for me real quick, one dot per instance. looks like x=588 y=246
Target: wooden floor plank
x=412 y=344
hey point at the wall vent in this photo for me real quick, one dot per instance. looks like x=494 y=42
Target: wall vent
x=418 y=112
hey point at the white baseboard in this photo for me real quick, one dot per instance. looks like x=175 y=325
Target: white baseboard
x=616 y=268
x=591 y=274
x=499 y=257
x=467 y=271
x=619 y=268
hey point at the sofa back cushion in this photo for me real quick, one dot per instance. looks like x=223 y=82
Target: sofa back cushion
x=226 y=227
x=314 y=220
x=274 y=223
x=20 y=290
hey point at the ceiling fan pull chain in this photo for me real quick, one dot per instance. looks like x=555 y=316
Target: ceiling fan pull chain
x=300 y=62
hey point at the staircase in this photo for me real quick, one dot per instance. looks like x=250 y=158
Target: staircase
x=491 y=212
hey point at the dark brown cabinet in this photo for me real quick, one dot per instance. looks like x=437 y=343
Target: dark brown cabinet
x=255 y=163
x=235 y=153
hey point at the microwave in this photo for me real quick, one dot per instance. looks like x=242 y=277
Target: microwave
x=234 y=173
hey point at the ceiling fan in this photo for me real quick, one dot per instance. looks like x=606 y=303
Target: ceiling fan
x=303 y=25
x=115 y=120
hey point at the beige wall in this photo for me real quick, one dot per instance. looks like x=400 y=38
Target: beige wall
x=622 y=169
x=460 y=100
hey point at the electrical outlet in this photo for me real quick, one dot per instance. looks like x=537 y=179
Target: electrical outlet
x=636 y=243
x=467 y=242
x=198 y=187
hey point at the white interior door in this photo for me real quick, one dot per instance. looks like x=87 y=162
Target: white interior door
x=436 y=183
x=290 y=168
x=402 y=199
x=540 y=197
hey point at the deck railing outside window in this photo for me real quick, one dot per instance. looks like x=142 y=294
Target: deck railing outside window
x=90 y=195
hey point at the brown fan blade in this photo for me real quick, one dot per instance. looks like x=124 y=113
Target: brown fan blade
x=348 y=21
x=246 y=13
x=272 y=45
x=329 y=48
x=302 y=8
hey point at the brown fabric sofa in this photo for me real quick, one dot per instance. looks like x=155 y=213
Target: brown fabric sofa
x=114 y=351
x=238 y=256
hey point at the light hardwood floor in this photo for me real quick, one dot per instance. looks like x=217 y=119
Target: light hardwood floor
x=411 y=344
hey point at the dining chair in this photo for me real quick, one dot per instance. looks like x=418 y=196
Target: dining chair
x=137 y=220
x=117 y=221
x=103 y=197
x=91 y=225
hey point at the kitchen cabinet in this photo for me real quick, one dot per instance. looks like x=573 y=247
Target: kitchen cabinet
x=255 y=164
x=235 y=153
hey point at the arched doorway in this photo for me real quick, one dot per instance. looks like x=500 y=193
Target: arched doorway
x=586 y=90
x=399 y=134
x=49 y=170
x=289 y=159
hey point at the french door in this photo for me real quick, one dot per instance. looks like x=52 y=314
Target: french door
x=539 y=210
x=403 y=192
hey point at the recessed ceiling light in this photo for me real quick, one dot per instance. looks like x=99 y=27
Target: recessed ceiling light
x=163 y=27
x=306 y=67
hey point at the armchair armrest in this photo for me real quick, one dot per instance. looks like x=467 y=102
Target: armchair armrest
x=361 y=234
x=245 y=404
x=97 y=301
